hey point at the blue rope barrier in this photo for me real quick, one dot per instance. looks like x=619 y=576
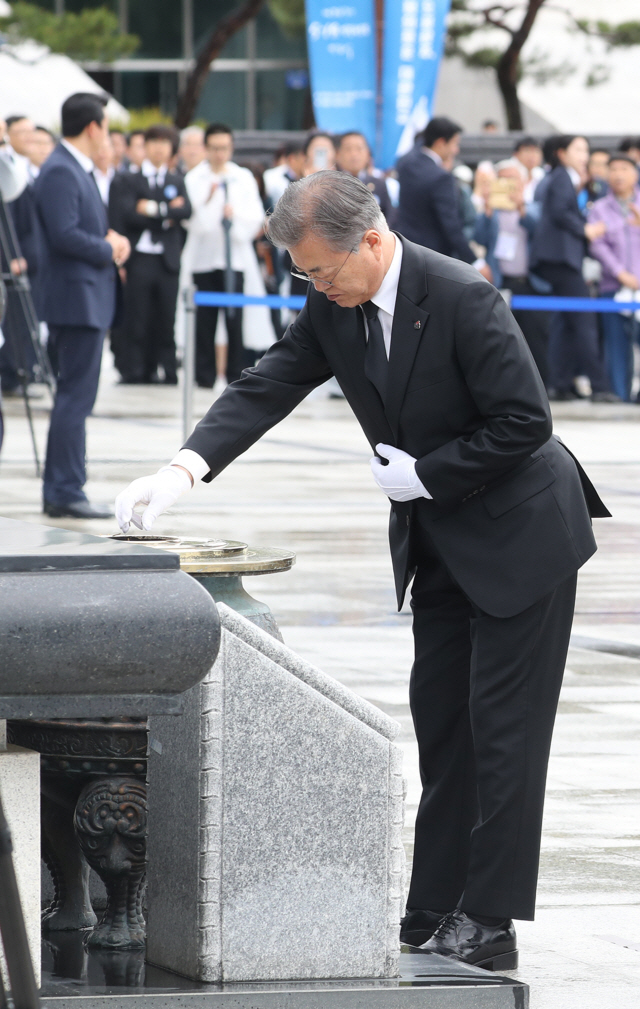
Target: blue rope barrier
x=220 y=299
x=537 y=303
x=523 y=302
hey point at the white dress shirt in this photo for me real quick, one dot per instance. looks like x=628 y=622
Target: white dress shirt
x=145 y=242
x=83 y=159
x=103 y=180
x=385 y=296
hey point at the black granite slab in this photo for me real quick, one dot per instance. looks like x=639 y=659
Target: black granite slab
x=83 y=616
x=25 y=546
x=74 y=978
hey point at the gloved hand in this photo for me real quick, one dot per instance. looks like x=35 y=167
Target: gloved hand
x=157 y=492
x=398 y=479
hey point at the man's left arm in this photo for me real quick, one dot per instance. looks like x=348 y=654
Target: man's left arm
x=507 y=391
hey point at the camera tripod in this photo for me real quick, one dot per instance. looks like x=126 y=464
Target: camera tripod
x=23 y=341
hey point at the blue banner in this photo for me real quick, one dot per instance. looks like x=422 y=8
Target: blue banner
x=414 y=34
x=342 y=61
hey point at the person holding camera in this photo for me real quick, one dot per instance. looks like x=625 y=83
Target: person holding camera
x=220 y=191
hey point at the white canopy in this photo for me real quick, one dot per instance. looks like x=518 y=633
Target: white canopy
x=35 y=82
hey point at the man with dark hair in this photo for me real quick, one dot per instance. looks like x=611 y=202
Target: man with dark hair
x=489 y=517
x=429 y=211
x=598 y=181
x=135 y=150
x=79 y=295
x=628 y=145
x=119 y=142
x=618 y=252
x=527 y=158
x=220 y=191
x=42 y=146
x=290 y=169
x=354 y=156
x=149 y=205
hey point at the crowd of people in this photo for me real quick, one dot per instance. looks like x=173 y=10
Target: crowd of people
x=176 y=212
x=553 y=218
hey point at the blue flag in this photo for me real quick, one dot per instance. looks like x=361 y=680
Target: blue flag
x=342 y=61
x=414 y=34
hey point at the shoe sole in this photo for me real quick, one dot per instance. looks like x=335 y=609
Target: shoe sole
x=503 y=961
x=415 y=937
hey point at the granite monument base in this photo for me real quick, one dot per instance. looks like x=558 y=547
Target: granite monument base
x=275 y=816
x=122 y=981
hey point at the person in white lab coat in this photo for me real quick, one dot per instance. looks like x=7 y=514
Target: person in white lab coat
x=218 y=189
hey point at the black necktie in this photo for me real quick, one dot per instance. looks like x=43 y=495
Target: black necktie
x=376 y=364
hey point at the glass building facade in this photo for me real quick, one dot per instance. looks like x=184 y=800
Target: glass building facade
x=259 y=80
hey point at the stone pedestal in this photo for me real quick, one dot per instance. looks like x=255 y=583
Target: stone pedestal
x=20 y=786
x=275 y=812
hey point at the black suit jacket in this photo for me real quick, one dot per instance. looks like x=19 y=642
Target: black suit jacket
x=26 y=222
x=429 y=210
x=127 y=189
x=559 y=236
x=508 y=516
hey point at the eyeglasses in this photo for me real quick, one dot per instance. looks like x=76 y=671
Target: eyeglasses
x=318 y=280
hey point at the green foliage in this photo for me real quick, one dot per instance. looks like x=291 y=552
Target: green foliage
x=290 y=15
x=624 y=35
x=142 y=119
x=484 y=57
x=93 y=34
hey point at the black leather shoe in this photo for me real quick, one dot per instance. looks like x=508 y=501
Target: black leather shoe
x=417 y=926
x=76 y=510
x=493 y=947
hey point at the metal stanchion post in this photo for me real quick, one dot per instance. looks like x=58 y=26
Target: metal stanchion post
x=188 y=361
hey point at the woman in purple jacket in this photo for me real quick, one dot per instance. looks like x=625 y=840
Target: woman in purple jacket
x=618 y=250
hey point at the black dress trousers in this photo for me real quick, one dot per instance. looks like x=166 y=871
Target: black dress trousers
x=483 y=696
x=206 y=322
x=151 y=295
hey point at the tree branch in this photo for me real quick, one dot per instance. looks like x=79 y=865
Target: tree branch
x=218 y=39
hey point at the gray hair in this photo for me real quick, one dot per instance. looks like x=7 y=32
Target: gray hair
x=192 y=131
x=333 y=206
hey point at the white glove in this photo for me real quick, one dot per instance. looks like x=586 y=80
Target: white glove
x=157 y=492
x=398 y=479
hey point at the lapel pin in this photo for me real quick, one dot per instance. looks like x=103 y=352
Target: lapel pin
x=416 y=324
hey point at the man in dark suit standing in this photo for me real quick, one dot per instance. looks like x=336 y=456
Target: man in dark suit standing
x=429 y=210
x=149 y=205
x=79 y=295
x=353 y=156
x=557 y=253
x=489 y=516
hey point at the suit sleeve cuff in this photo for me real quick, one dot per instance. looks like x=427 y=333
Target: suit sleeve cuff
x=192 y=462
x=420 y=487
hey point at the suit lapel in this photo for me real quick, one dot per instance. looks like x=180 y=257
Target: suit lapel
x=409 y=324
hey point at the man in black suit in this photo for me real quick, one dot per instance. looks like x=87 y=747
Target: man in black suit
x=429 y=210
x=488 y=516
x=557 y=253
x=79 y=295
x=353 y=155
x=17 y=354
x=149 y=205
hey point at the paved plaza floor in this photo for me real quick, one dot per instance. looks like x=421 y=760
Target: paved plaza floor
x=307 y=486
